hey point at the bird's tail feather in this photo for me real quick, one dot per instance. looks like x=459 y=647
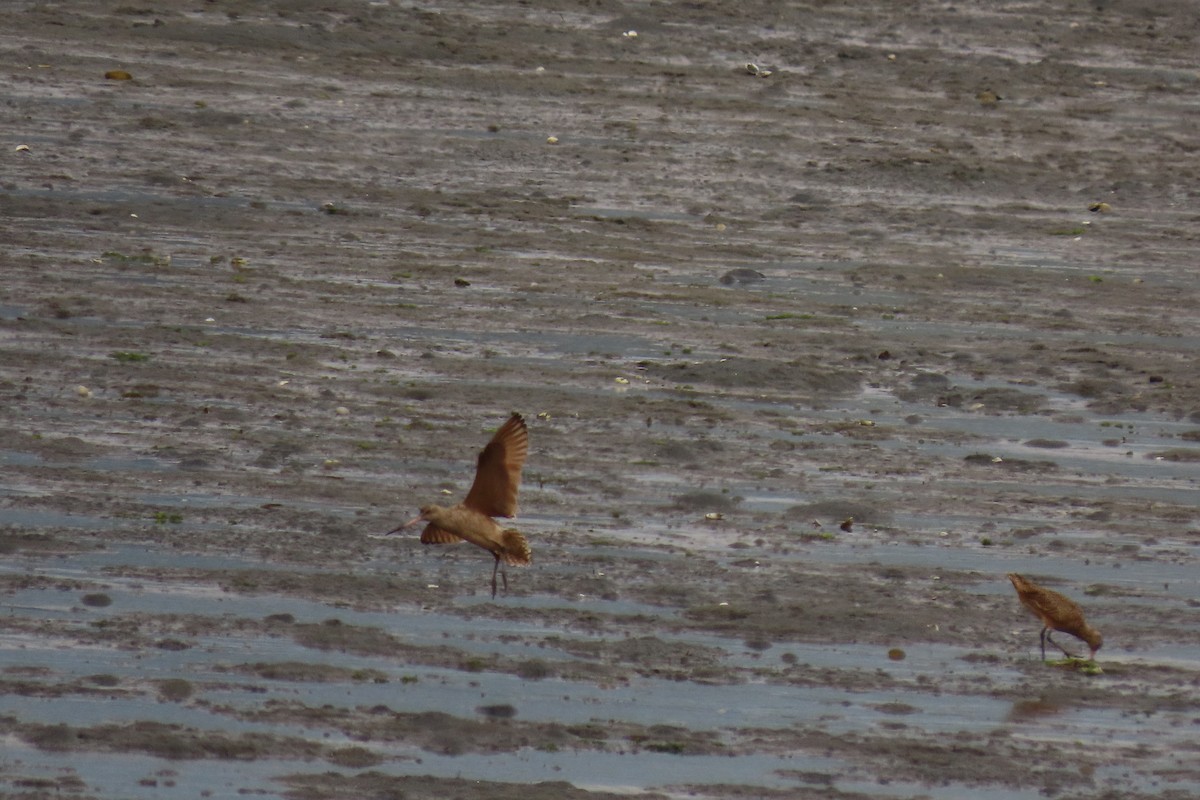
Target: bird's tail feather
x=516 y=549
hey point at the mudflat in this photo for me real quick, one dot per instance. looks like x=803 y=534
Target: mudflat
x=824 y=317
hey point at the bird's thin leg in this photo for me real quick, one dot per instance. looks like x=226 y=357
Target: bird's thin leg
x=494 y=568
x=1045 y=631
x=1065 y=651
x=504 y=577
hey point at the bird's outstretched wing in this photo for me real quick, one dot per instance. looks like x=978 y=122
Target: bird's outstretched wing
x=435 y=535
x=498 y=474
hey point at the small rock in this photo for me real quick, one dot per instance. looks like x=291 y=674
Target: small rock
x=741 y=276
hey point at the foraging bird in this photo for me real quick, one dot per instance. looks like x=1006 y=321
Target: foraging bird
x=493 y=494
x=1056 y=612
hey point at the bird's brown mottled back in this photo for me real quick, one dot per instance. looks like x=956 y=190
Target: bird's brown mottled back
x=1056 y=612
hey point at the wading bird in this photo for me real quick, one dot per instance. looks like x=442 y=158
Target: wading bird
x=493 y=494
x=1056 y=613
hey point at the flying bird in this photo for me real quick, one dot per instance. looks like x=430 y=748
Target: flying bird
x=1056 y=612
x=493 y=494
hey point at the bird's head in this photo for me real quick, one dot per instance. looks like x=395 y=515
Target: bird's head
x=426 y=514
x=1093 y=639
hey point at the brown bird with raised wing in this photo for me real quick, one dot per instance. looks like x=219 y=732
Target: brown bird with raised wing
x=493 y=494
x=1056 y=612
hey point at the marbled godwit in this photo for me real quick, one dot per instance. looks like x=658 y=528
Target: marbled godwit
x=1056 y=612
x=493 y=494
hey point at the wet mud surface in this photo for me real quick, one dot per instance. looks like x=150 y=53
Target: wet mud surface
x=810 y=360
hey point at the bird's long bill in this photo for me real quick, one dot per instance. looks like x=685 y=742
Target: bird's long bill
x=403 y=527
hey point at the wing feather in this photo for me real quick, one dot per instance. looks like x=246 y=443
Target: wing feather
x=435 y=535
x=498 y=473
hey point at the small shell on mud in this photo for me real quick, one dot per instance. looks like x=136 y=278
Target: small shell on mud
x=543 y=415
x=83 y=391
x=551 y=140
x=622 y=381
x=714 y=515
x=117 y=75
x=21 y=148
x=341 y=411
x=330 y=463
x=757 y=71
x=630 y=34
x=540 y=69
x=1095 y=208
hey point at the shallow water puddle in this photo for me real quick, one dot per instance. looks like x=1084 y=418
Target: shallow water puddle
x=143 y=776
x=221 y=697
x=138 y=776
